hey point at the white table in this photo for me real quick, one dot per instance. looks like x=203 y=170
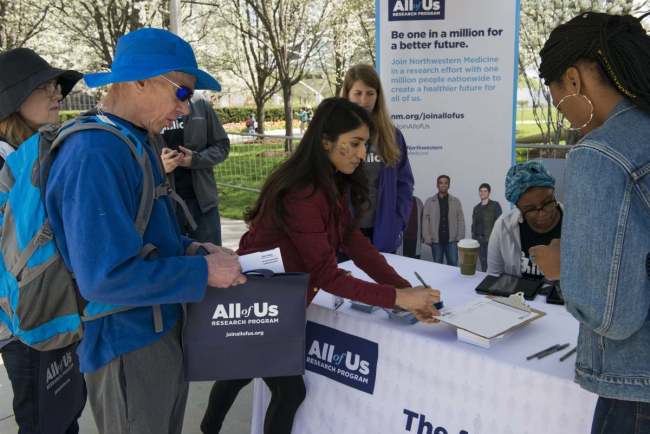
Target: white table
x=443 y=386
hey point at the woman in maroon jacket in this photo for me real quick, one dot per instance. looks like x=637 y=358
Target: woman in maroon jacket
x=304 y=208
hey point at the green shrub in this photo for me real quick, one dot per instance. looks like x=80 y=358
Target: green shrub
x=226 y=115
x=65 y=115
x=229 y=115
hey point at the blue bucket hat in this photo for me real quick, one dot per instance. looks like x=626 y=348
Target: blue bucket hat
x=521 y=177
x=147 y=53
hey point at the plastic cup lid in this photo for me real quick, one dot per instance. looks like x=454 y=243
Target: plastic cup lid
x=468 y=243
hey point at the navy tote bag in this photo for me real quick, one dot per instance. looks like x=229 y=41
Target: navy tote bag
x=62 y=390
x=252 y=330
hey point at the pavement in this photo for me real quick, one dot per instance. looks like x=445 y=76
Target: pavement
x=238 y=420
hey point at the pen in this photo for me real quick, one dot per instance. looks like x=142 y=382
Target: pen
x=438 y=305
x=421 y=279
x=549 y=352
x=532 y=356
x=568 y=354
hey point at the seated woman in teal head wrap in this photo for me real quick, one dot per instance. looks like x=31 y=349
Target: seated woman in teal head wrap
x=535 y=220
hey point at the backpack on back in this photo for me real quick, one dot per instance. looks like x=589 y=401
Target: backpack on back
x=39 y=298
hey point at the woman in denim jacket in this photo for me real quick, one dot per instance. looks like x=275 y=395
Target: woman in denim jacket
x=597 y=67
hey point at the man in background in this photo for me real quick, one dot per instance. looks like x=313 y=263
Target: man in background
x=484 y=215
x=194 y=145
x=443 y=223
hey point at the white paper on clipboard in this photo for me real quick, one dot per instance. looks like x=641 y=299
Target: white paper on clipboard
x=488 y=317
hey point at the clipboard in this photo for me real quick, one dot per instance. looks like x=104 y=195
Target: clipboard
x=485 y=319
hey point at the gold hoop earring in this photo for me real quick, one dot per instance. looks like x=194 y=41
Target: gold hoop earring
x=591 y=115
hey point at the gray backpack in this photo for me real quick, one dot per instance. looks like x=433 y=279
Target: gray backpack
x=40 y=302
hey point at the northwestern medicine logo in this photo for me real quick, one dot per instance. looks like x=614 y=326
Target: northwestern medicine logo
x=345 y=358
x=408 y=10
x=234 y=314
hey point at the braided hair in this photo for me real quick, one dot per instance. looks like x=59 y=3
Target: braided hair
x=618 y=44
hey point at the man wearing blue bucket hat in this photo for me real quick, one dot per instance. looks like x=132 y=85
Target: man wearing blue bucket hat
x=133 y=362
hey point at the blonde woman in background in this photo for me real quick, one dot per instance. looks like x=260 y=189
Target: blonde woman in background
x=390 y=180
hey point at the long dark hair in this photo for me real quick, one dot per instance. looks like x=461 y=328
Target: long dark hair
x=309 y=165
x=618 y=44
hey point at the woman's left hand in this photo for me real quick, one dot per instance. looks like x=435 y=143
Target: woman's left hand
x=547 y=258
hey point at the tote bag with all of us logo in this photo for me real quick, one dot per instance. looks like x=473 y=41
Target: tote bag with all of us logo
x=252 y=330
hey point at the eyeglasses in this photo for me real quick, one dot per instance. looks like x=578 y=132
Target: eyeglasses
x=183 y=93
x=50 y=88
x=546 y=208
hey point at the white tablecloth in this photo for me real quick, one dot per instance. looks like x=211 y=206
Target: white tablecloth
x=442 y=386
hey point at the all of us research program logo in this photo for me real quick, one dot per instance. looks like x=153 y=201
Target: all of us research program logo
x=233 y=314
x=408 y=10
x=57 y=371
x=343 y=357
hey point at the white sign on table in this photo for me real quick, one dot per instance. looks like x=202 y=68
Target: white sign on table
x=426 y=380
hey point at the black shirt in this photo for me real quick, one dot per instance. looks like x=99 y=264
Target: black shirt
x=182 y=175
x=530 y=238
x=372 y=167
x=443 y=229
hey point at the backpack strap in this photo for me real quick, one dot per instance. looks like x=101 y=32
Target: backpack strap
x=165 y=189
x=42 y=237
x=104 y=123
x=5 y=149
x=147 y=196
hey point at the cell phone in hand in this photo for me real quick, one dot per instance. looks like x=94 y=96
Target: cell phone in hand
x=202 y=251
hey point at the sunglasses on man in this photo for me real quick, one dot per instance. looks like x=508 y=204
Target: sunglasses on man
x=183 y=93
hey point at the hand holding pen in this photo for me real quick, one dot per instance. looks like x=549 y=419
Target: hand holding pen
x=439 y=305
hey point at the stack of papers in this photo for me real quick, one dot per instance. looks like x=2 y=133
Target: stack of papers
x=482 y=320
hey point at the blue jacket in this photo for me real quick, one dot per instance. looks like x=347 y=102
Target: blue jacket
x=394 y=201
x=605 y=240
x=92 y=196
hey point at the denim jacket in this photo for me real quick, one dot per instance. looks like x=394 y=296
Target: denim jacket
x=605 y=240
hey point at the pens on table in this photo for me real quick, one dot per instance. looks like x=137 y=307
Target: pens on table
x=438 y=305
x=532 y=356
x=568 y=354
x=549 y=352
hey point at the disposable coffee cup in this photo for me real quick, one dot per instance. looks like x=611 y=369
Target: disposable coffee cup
x=467 y=256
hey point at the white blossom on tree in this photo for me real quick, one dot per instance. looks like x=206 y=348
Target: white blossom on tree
x=345 y=41
x=538 y=19
x=21 y=21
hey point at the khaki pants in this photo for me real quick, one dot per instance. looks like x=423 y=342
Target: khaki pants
x=141 y=392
